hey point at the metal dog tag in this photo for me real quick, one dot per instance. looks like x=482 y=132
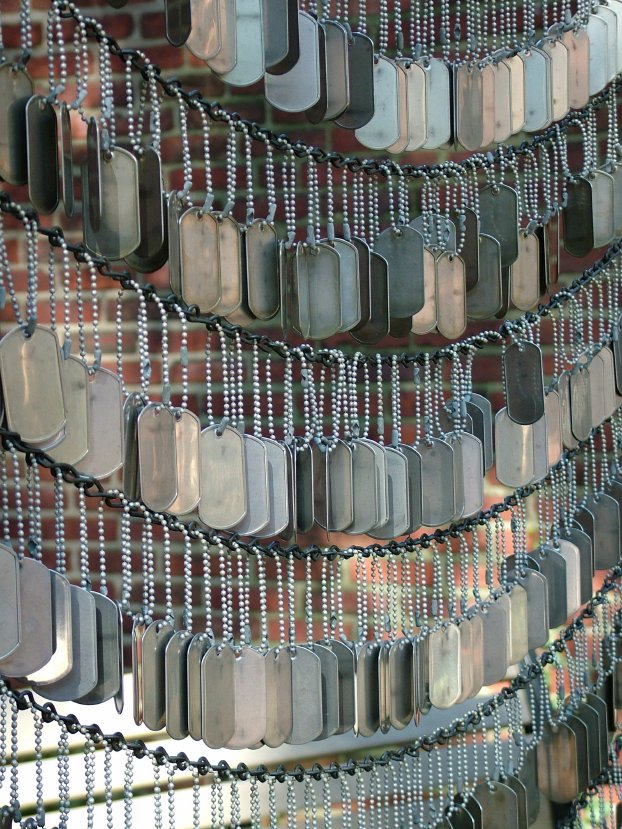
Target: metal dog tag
x=74 y=445
x=336 y=474
x=525 y=273
x=349 y=286
x=307 y=715
x=570 y=553
x=249 y=682
x=523 y=381
x=176 y=684
x=437 y=482
x=403 y=250
x=177 y=21
x=495 y=639
x=367 y=690
x=424 y=321
x=415 y=103
x=472 y=459
x=303 y=479
x=82 y=677
x=502 y=100
x=398 y=499
x=413 y=459
x=578 y=218
x=318 y=290
x=536 y=587
x=279 y=711
x=514 y=459
x=9 y=602
x=224 y=500
x=538 y=105
x=152 y=252
x=479 y=410
x=280 y=35
x=66 y=160
x=262 y=253
x=42 y=154
x=499 y=805
x=377 y=327
x=187 y=442
x=485 y=298
x=231 y=265
x=400 y=683
x=105 y=454
x=62 y=659
x=224 y=59
x=109 y=651
x=607 y=538
x=155 y=640
x=451 y=309
x=199 y=259
x=516 y=66
x=597 y=32
x=364 y=488
x=557 y=763
x=360 y=108
x=249 y=64
x=157 y=457
x=555 y=446
x=558 y=75
x=384 y=128
x=583 y=543
x=444 y=661
x=299 y=88
x=256 y=486
x=553 y=567
x=16 y=88
x=438 y=103
x=197 y=649
x=499 y=218
x=337 y=70
x=278 y=488
x=218 y=696
x=563 y=390
x=469 y=106
x=580 y=402
x=204 y=39
x=577 y=42
x=602 y=207
x=471 y=656
x=118 y=233
x=330 y=689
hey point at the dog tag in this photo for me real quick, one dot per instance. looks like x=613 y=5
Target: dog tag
x=538 y=106
x=540 y=450
x=176 y=684
x=198 y=243
x=249 y=682
x=451 y=307
x=602 y=207
x=400 y=683
x=303 y=480
x=383 y=687
x=588 y=716
x=197 y=649
x=557 y=763
x=384 y=128
x=495 y=639
x=262 y=251
x=360 y=108
x=572 y=556
x=155 y=640
x=30 y=370
x=398 y=500
x=536 y=587
x=379 y=321
x=105 y=453
x=606 y=548
x=516 y=67
x=204 y=39
x=502 y=101
x=157 y=457
x=367 y=690
x=16 y=88
x=9 y=602
x=600 y=707
x=553 y=567
x=74 y=445
x=485 y=298
x=307 y=715
x=224 y=498
x=278 y=488
x=256 y=470
x=61 y=662
x=225 y=56
x=605 y=356
x=279 y=695
x=523 y=382
x=525 y=273
x=444 y=666
x=499 y=218
x=118 y=233
x=230 y=264
x=578 y=218
x=580 y=730
x=583 y=543
x=299 y=88
x=132 y=407
x=319 y=290
x=187 y=441
x=424 y=321
x=280 y=35
x=595 y=372
x=346 y=662
x=553 y=428
x=415 y=103
x=109 y=651
x=177 y=21
x=577 y=42
x=469 y=106
x=557 y=54
x=479 y=410
x=336 y=471
x=437 y=482
x=350 y=292
x=42 y=154
x=218 y=696
x=403 y=250
x=438 y=103
x=330 y=689
x=413 y=460
x=66 y=160
x=597 y=32
x=249 y=50
x=514 y=458
x=152 y=252
x=364 y=488
x=499 y=805
x=563 y=389
x=471 y=657
x=469 y=449
x=82 y=677
x=580 y=402
x=138 y=631
x=337 y=70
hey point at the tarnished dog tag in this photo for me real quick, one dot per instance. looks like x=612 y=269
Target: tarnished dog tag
x=304 y=476
x=597 y=32
x=485 y=298
x=249 y=55
x=583 y=543
x=451 y=308
x=398 y=499
x=16 y=88
x=249 y=682
x=495 y=640
x=299 y=88
x=379 y=320
x=437 y=482
x=224 y=59
x=538 y=108
x=578 y=218
x=155 y=640
x=204 y=39
x=558 y=75
x=400 y=683
x=32 y=390
x=256 y=486
x=502 y=100
x=118 y=233
x=384 y=128
x=444 y=662
x=307 y=718
x=176 y=684
x=607 y=539
x=105 y=454
x=197 y=649
x=157 y=457
x=364 y=488
x=109 y=651
x=187 y=442
x=403 y=250
x=74 y=445
x=278 y=488
x=262 y=253
x=199 y=259
x=523 y=382
x=9 y=602
x=280 y=35
x=42 y=154
x=555 y=446
x=563 y=389
x=278 y=697
x=525 y=273
x=580 y=402
x=557 y=763
x=438 y=103
x=152 y=252
x=424 y=320
x=177 y=21
x=499 y=218
x=469 y=106
x=224 y=500
x=553 y=568
x=82 y=677
x=499 y=804
x=514 y=460
x=367 y=690
x=361 y=104
x=479 y=410
x=602 y=207
x=319 y=290
x=62 y=659
x=413 y=460
x=330 y=689
x=577 y=42
x=218 y=696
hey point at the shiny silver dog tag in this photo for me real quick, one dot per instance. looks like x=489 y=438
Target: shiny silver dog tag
x=597 y=32
x=438 y=103
x=155 y=640
x=279 y=695
x=577 y=42
x=223 y=501
x=106 y=446
x=62 y=659
x=75 y=443
x=157 y=457
x=397 y=496
x=249 y=681
x=514 y=461
x=9 y=601
x=307 y=717
x=437 y=482
x=109 y=651
x=197 y=649
x=538 y=104
x=176 y=684
x=384 y=129
x=256 y=486
x=249 y=65
x=444 y=665
x=299 y=88
x=367 y=690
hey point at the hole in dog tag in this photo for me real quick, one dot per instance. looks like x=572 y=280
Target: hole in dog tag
x=557 y=763
x=218 y=696
x=299 y=88
x=278 y=488
x=74 y=445
x=367 y=690
x=249 y=682
x=525 y=273
x=523 y=381
x=379 y=321
x=364 y=488
x=499 y=805
x=438 y=103
x=444 y=662
x=16 y=88
x=249 y=49
x=152 y=252
x=514 y=460
x=360 y=108
x=538 y=106
x=330 y=690
x=10 y=633
x=280 y=35
x=155 y=640
x=580 y=402
x=583 y=543
x=62 y=659
x=403 y=250
x=602 y=207
x=304 y=475
x=157 y=457
x=256 y=486
x=484 y=299
x=553 y=567
x=319 y=289
x=197 y=649
x=597 y=32
x=577 y=43
x=204 y=39
x=262 y=252
x=198 y=243
x=105 y=454
x=279 y=695
x=606 y=514
x=450 y=296
x=177 y=20
x=384 y=128
x=499 y=218
x=66 y=160
x=469 y=106
x=578 y=221
x=118 y=233
x=224 y=498
x=109 y=649
x=479 y=410
x=187 y=440
x=555 y=447
x=398 y=500
x=502 y=100
x=32 y=390
x=42 y=153
x=82 y=677
x=424 y=320
x=176 y=684
x=307 y=718
x=495 y=639
x=437 y=482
